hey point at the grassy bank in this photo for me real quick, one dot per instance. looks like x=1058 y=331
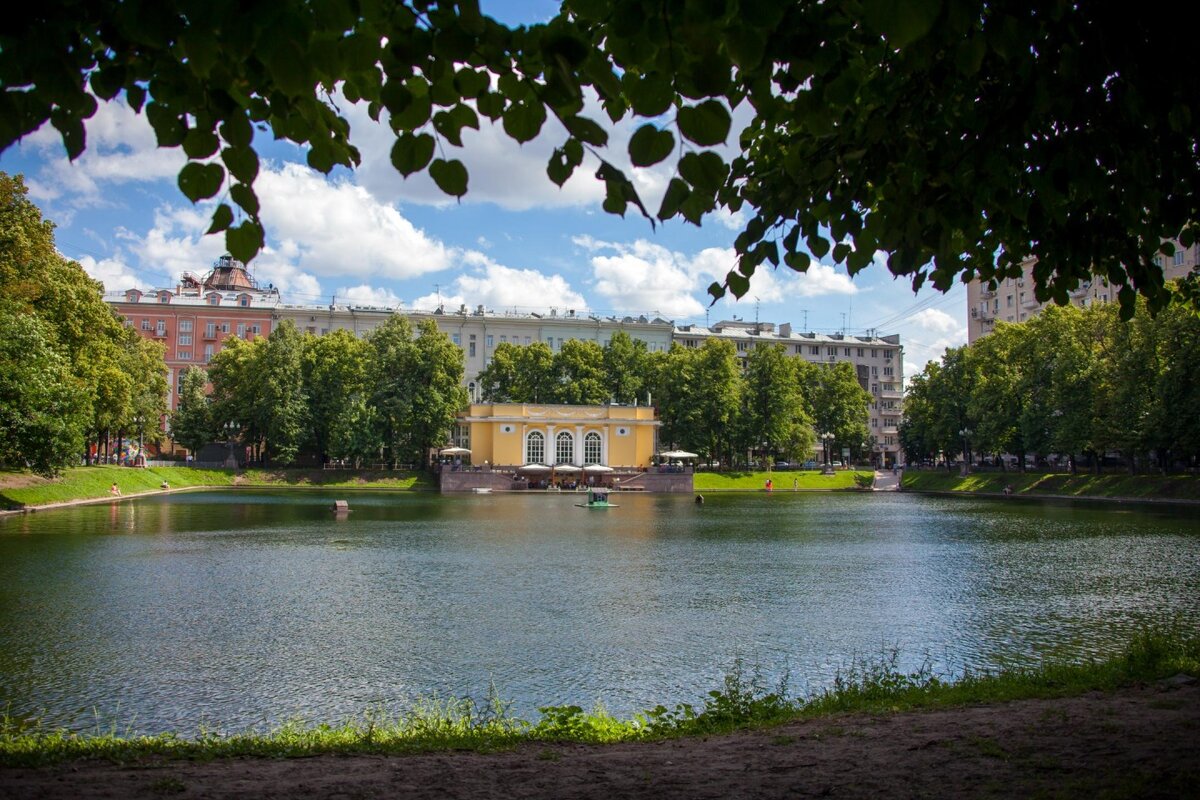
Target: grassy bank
x=741 y=702
x=22 y=489
x=783 y=480
x=1150 y=487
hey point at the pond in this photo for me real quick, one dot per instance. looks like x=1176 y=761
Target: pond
x=240 y=610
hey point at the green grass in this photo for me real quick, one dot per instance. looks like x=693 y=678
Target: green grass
x=1164 y=487
x=741 y=702
x=807 y=480
x=21 y=489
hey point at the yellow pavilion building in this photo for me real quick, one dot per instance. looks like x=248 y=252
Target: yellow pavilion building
x=517 y=434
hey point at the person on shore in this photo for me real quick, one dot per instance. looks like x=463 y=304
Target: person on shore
x=795 y=484
x=114 y=490
x=165 y=486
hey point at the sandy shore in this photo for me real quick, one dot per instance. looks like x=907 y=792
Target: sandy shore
x=1141 y=742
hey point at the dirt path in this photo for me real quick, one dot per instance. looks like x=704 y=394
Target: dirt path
x=1142 y=742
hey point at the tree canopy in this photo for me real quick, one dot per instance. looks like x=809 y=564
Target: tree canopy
x=957 y=137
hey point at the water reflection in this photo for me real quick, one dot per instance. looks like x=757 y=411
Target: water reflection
x=239 y=609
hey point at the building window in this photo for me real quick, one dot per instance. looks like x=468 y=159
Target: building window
x=814 y=350
x=256 y=330
x=861 y=352
x=185 y=326
x=210 y=330
x=214 y=299
x=185 y=338
x=244 y=301
x=874 y=353
x=456 y=338
x=241 y=330
x=874 y=388
x=591 y=448
x=874 y=422
x=741 y=347
x=874 y=372
x=887 y=371
x=224 y=327
x=535 y=448
x=846 y=351
x=831 y=351
x=1008 y=301
x=184 y=355
x=564 y=448
x=145 y=324
x=799 y=349
x=489 y=341
x=208 y=353
x=471 y=348
x=526 y=341
x=161 y=328
x=1179 y=258
x=504 y=338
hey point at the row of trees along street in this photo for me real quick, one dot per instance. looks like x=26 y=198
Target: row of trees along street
x=73 y=380
x=1070 y=382
x=390 y=397
x=776 y=409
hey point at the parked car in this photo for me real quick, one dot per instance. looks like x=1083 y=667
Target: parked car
x=810 y=464
x=782 y=465
x=835 y=464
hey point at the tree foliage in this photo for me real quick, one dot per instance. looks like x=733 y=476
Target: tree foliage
x=1071 y=382
x=192 y=423
x=92 y=377
x=956 y=136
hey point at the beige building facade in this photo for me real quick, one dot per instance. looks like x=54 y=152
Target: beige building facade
x=877 y=360
x=1012 y=299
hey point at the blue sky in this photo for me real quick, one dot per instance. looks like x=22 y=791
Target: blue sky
x=516 y=242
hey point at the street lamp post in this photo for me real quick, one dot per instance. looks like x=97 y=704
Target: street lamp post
x=964 y=433
x=230 y=461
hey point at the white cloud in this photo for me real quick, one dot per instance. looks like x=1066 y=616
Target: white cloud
x=368 y=296
x=121 y=148
x=114 y=273
x=642 y=276
x=926 y=336
x=336 y=228
x=501 y=288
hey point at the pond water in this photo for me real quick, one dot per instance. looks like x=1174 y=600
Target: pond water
x=238 y=610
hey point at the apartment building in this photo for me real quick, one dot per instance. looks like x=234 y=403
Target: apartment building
x=195 y=317
x=478 y=331
x=1012 y=299
x=878 y=361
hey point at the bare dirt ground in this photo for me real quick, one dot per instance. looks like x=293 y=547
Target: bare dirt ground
x=1142 y=742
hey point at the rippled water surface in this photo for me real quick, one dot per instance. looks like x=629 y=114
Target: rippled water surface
x=234 y=610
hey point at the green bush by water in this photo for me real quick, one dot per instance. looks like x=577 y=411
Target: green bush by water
x=742 y=701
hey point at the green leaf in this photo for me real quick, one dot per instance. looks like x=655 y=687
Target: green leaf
x=236 y=130
x=136 y=97
x=677 y=192
x=490 y=104
x=199 y=181
x=649 y=145
x=705 y=171
x=222 y=218
x=412 y=153
x=242 y=163
x=706 y=124
x=738 y=283
x=563 y=161
x=450 y=176
x=586 y=130
x=797 y=261
x=470 y=83
x=650 y=95
x=245 y=197
x=523 y=121
x=244 y=241
x=902 y=22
